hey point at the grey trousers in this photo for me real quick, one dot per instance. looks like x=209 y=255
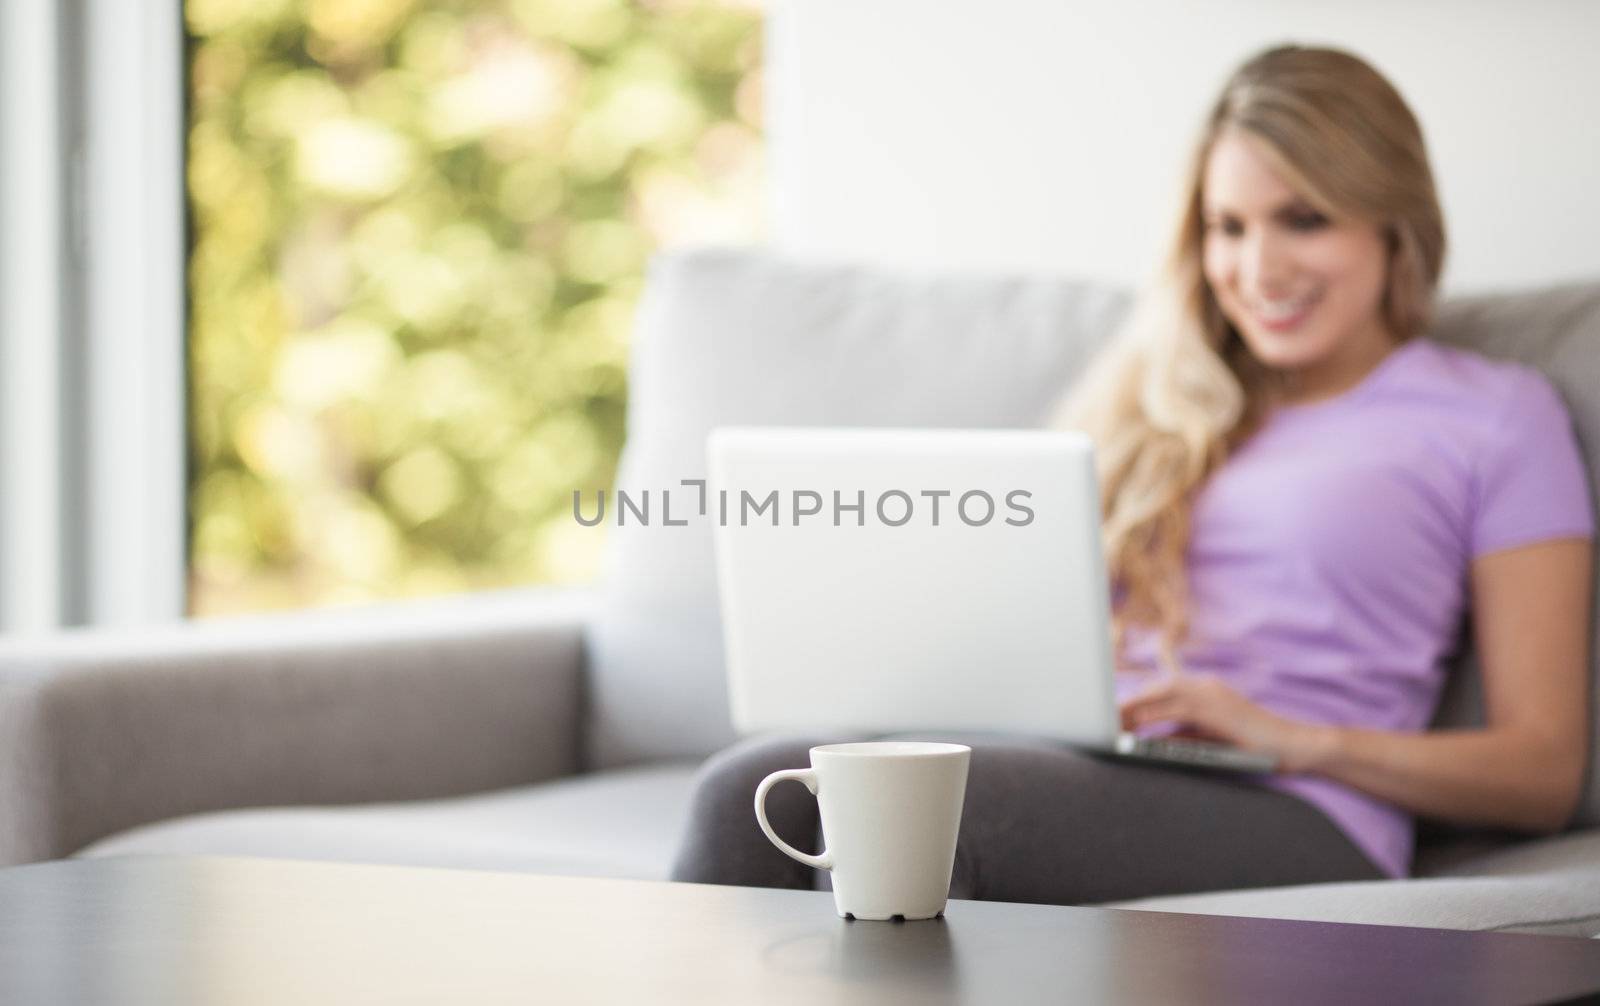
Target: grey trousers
x=1042 y=823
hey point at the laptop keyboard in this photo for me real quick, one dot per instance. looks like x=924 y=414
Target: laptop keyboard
x=1199 y=753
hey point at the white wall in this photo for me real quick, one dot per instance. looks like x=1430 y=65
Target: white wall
x=91 y=313
x=1044 y=135
x=32 y=251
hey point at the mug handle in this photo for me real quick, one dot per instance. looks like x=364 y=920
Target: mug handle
x=822 y=860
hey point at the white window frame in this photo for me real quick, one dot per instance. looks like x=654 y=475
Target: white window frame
x=93 y=432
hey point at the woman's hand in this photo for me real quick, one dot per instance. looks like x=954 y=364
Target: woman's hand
x=1207 y=709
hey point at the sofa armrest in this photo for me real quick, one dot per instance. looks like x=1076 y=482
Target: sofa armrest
x=102 y=730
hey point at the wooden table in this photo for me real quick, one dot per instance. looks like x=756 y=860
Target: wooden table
x=241 y=931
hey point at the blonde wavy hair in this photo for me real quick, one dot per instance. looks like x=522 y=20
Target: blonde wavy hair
x=1177 y=389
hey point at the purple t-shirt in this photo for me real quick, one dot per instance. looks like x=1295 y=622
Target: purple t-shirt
x=1328 y=557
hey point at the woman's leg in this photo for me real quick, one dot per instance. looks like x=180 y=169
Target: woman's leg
x=1041 y=823
x=1047 y=824
x=723 y=844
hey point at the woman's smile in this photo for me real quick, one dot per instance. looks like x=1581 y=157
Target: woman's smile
x=1283 y=314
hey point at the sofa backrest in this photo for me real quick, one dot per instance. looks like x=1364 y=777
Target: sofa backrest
x=735 y=336
x=753 y=337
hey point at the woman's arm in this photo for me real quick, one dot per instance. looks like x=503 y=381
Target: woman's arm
x=1523 y=769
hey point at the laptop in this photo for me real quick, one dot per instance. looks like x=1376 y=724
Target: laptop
x=879 y=580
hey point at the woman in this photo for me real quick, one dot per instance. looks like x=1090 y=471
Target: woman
x=1302 y=497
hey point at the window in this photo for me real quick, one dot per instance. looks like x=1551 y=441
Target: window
x=418 y=232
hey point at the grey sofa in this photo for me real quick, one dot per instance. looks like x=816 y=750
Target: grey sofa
x=559 y=731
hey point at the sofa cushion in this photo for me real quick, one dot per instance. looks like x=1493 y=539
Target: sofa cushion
x=1554 y=891
x=624 y=823
x=732 y=336
x=1575 y=851
x=754 y=337
x=1556 y=904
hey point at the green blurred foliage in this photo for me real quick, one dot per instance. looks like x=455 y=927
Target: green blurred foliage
x=419 y=233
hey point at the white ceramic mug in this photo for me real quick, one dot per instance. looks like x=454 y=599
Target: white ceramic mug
x=891 y=811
